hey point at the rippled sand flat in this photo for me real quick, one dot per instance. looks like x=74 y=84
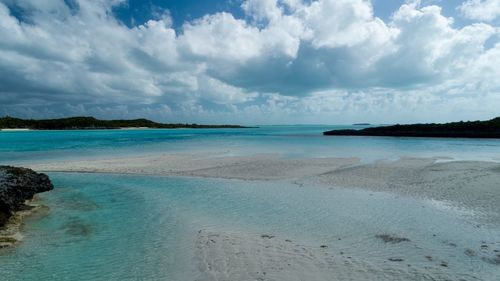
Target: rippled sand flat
x=412 y=219
x=238 y=256
x=473 y=183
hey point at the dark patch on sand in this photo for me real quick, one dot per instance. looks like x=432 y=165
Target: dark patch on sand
x=77 y=202
x=470 y=253
x=387 y=238
x=77 y=227
x=449 y=243
x=493 y=260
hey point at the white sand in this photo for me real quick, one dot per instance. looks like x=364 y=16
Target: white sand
x=224 y=256
x=243 y=256
x=471 y=183
x=14 y=130
x=255 y=167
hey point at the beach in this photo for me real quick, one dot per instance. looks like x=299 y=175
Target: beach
x=469 y=183
x=467 y=188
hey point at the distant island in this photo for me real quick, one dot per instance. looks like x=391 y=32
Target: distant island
x=469 y=129
x=361 y=124
x=91 y=123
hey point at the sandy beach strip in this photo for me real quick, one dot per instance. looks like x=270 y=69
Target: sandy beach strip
x=15 y=130
x=474 y=184
x=254 y=167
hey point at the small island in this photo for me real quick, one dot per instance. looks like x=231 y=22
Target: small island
x=91 y=123
x=469 y=129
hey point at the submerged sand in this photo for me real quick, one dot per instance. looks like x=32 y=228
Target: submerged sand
x=229 y=256
x=223 y=255
x=474 y=184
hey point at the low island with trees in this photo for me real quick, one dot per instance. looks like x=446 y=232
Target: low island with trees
x=91 y=123
x=469 y=129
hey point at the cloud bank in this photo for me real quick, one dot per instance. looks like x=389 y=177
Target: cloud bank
x=286 y=61
x=483 y=10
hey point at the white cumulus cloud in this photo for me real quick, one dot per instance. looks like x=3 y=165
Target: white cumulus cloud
x=285 y=61
x=483 y=10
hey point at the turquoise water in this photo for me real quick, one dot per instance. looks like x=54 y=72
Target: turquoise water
x=117 y=227
x=290 y=141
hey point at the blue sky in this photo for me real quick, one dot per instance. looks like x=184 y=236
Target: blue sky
x=136 y=12
x=251 y=61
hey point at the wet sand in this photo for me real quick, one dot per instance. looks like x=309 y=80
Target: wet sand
x=473 y=184
x=223 y=255
x=227 y=256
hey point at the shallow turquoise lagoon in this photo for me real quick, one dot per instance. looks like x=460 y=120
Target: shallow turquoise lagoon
x=289 y=141
x=117 y=227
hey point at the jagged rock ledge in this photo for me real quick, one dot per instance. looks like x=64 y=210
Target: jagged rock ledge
x=16 y=186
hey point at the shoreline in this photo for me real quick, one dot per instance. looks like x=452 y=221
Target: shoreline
x=12 y=232
x=234 y=253
x=470 y=184
x=15 y=130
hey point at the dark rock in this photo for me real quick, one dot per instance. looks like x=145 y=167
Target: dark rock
x=396 y=259
x=18 y=185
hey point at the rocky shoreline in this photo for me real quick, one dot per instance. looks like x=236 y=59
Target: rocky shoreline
x=17 y=185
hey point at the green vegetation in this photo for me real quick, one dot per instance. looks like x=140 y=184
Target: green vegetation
x=470 y=129
x=91 y=123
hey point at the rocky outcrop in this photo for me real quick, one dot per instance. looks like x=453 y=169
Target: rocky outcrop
x=18 y=185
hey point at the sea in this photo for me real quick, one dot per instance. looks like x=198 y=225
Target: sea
x=131 y=227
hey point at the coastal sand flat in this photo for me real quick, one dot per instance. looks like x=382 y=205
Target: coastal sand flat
x=254 y=167
x=229 y=256
x=471 y=184
x=224 y=255
x=474 y=184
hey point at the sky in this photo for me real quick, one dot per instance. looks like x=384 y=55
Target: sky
x=251 y=61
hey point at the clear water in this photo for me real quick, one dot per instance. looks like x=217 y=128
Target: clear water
x=289 y=141
x=116 y=227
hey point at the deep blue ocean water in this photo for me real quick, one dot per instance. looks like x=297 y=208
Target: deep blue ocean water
x=123 y=227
